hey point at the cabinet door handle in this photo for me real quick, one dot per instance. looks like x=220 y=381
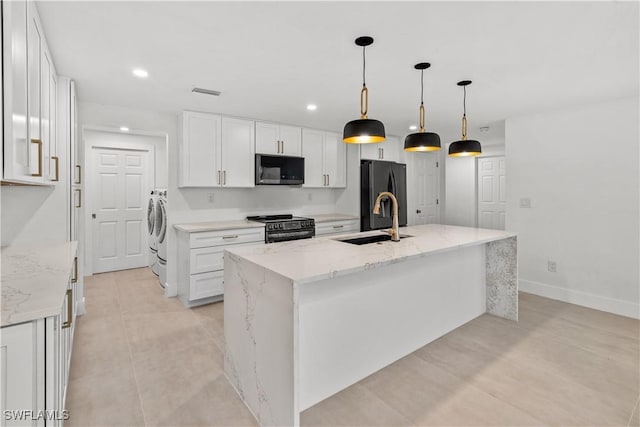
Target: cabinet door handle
x=67 y=324
x=79 y=169
x=74 y=279
x=235 y=236
x=224 y=177
x=382 y=149
x=218 y=177
x=57 y=169
x=328 y=180
x=39 y=144
x=79 y=190
x=282 y=152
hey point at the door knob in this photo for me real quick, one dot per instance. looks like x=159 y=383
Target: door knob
x=418 y=211
x=93 y=216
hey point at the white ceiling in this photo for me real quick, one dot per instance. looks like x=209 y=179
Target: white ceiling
x=270 y=59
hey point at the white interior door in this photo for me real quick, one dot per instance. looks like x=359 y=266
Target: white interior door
x=492 y=196
x=425 y=180
x=121 y=182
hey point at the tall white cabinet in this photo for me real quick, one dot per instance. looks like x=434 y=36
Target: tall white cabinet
x=29 y=98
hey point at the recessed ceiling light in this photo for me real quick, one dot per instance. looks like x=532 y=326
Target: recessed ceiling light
x=124 y=129
x=413 y=127
x=312 y=107
x=139 y=72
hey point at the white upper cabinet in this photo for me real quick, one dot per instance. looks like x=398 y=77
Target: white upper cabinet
x=324 y=159
x=27 y=97
x=216 y=151
x=200 y=150
x=388 y=150
x=273 y=138
x=237 y=152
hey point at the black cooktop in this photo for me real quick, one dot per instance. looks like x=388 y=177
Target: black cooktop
x=268 y=218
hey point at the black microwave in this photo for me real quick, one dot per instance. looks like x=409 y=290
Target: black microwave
x=279 y=170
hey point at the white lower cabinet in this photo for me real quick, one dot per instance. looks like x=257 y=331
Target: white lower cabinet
x=201 y=262
x=336 y=227
x=35 y=360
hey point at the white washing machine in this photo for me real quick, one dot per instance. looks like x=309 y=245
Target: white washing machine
x=151 y=226
x=161 y=235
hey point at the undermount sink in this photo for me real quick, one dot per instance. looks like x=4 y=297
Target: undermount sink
x=378 y=238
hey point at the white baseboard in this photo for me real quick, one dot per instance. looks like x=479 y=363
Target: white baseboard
x=610 y=305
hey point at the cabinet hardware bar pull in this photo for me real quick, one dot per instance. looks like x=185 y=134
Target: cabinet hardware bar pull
x=79 y=190
x=328 y=179
x=57 y=169
x=338 y=226
x=224 y=177
x=218 y=177
x=74 y=279
x=235 y=236
x=382 y=152
x=39 y=143
x=67 y=324
x=79 y=169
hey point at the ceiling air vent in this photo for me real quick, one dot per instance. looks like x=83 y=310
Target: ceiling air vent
x=206 y=91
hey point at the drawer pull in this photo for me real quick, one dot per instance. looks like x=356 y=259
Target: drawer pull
x=235 y=236
x=79 y=170
x=79 y=191
x=338 y=226
x=67 y=324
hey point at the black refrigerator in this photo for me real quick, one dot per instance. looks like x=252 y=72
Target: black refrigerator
x=377 y=176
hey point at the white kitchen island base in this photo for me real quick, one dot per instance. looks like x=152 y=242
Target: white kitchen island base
x=304 y=320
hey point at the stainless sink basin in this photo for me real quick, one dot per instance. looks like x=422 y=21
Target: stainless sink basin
x=378 y=238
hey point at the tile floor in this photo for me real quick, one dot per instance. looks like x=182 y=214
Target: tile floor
x=140 y=359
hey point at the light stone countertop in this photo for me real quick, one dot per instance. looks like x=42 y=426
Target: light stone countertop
x=332 y=217
x=310 y=260
x=34 y=280
x=196 y=227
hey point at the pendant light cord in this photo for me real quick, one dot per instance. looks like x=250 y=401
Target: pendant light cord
x=464 y=101
x=421 y=87
x=364 y=67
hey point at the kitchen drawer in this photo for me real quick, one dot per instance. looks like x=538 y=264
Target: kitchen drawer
x=334 y=227
x=203 y=260
x=206 y=285
x=226 y=237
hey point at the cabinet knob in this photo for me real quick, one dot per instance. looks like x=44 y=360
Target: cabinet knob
x=418 y=211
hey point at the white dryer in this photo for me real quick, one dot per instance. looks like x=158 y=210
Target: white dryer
x=151 y=227
x=161 y=235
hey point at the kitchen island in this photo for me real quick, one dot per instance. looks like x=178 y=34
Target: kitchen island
x=305 y=319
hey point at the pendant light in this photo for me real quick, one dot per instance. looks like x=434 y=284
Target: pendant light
x=421 y=140
x=465 y=147
x=363 y=130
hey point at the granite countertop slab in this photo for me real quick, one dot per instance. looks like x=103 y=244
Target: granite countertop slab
x=197 y=227
x=34 y=280
x=310 y=260
x=332 y=217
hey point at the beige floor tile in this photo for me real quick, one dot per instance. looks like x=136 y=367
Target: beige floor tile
x=158 y=332
x=634 y=420
x=145 y=296
x=105 y=400
x=354 y=406
x=428 y=395
x=212 y=318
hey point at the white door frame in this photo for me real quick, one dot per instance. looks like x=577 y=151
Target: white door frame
x=478 y=158
x=91 y=185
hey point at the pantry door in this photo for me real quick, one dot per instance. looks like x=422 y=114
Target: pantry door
x=424 y=184
x=492 y=197
x=121 y=181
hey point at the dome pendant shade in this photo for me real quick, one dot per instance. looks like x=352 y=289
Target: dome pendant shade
x=465 y=148
x=422 y=141
x=364 y=130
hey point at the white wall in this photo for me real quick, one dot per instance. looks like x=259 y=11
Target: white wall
x=579 y=167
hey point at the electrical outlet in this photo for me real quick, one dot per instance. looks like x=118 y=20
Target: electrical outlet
x=525 y=202
x=309 y=196
x=552 y=266
x=211 y=197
